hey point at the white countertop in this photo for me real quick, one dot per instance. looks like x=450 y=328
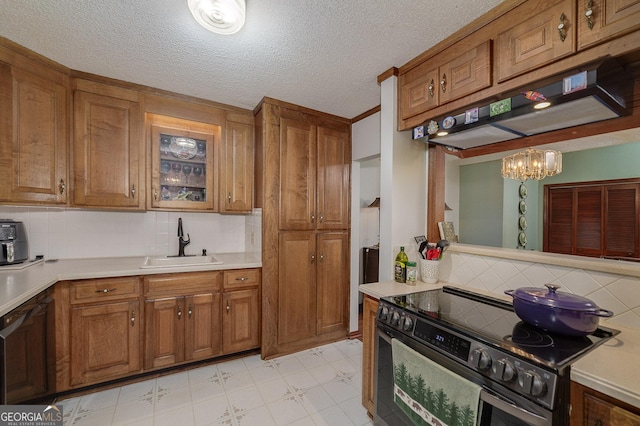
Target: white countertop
x=610 y=368
x=18 y=286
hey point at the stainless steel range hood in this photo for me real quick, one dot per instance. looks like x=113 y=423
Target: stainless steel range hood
x=593 y=93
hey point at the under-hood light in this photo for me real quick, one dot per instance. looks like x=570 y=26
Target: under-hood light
x=542 y=105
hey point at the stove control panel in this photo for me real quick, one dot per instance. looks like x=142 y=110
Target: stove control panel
x=499 y=365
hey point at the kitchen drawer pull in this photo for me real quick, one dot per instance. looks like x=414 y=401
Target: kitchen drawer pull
x=431 y=86
x=443 y=83
x=190 y=311
x=106 y=290
x=561 y=27
x=179 y=312
x=242 y=279
x=133 y=318
x=61 y=186
x=589 y=14
x=133 y=191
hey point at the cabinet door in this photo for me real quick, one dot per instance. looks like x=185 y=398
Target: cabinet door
x=164 y=332
x=105 y=342
x=182 y=163
x=602 y=20
x=296 y=286
x=333 y=184
x=535 y=38
x=558 y=226
x=33 y=137
x=297 y=175
x=589 y=203
x=333 y=281
x=107 y=152
x=202 y=333
x=468 y=73
x=236 y=169
x=241 y=322
x=369 y=313
x=419 y=90
x=621 y=220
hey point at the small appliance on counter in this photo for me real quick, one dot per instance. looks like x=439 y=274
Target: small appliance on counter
x=13 y=242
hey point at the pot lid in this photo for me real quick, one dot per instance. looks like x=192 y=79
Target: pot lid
x=549 y=297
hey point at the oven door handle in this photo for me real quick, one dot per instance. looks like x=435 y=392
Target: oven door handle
x=509 y=408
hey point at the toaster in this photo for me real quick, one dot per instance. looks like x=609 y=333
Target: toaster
x=14 y=247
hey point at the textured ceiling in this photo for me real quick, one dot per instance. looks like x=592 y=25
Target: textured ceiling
x=322 y=54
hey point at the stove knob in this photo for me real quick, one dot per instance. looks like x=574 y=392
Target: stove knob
x=395 y=318
x=530 y=382
x=480 y=359
x=407 y=324
x=504 y=370
x=383 y=312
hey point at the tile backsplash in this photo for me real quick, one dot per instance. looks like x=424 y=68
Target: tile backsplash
x=617 y=293
x=59 y=233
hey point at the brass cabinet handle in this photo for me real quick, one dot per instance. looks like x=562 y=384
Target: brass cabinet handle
x=155 y=194
x=190 y=311
x=443 y=83
x=61 y=186
x=431 y=85
x=313 y=258
x=589 y=14
x=321 y=218
x=313 y=217
x=242 y=279
x=561 y=27
x=133 y=318
x=179 y=312
x=106 y=290
x=321 y=257
x=229 y=197
x=228 y=307
x=133 y=190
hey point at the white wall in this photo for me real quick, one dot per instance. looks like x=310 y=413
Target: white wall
x=403 y=188
x=59 y=233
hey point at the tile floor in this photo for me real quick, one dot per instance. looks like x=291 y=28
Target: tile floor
x=319 y=386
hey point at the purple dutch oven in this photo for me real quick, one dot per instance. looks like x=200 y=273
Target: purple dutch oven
x=557 y=312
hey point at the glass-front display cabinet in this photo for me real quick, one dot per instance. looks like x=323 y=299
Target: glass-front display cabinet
x=182 y=163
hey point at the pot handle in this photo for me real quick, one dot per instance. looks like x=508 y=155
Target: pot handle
x=509 y=292
x=602 y=313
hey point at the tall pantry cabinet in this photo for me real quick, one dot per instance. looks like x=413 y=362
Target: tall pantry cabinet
x=303 y=160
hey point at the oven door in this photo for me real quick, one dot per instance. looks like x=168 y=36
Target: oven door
x=500 y=406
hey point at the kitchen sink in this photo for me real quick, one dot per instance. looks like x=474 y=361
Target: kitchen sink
x=175 y=261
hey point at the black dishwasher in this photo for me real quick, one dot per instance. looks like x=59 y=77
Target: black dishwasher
x=27 y=364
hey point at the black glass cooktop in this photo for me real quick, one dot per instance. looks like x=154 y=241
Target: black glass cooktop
x=493 y=321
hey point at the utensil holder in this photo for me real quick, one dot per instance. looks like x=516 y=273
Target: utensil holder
x=429 y=270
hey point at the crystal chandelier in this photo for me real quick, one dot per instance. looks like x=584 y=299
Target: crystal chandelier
x=532 y=164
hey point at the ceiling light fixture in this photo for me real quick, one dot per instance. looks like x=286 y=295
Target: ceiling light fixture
x=532 y=164
x=219 y=16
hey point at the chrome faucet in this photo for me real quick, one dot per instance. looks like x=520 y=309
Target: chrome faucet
x=182 y=243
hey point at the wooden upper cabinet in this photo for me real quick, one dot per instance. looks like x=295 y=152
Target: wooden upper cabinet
x=108 y=152
x=34 y=132
x=297 y=175
x=333 y=179
x=538 y=32
x=183 y=159
x=236 y=169
x=602 y=20
x=456 y=72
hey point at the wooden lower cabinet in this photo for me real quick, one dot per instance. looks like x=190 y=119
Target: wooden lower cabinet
x=241 y=310
x=369 y=312
x=179 y=326
x=104 y=330
x=592 y=408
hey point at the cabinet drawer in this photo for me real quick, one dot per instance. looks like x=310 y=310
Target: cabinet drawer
x=86 y=291
x=241 y=278
x=182 y=284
